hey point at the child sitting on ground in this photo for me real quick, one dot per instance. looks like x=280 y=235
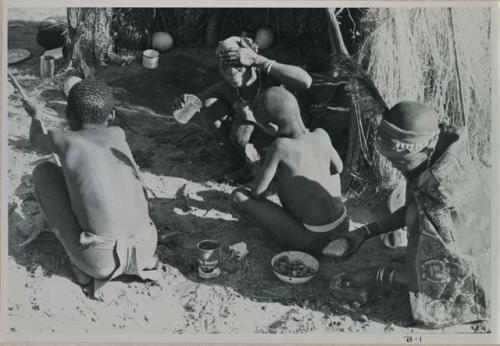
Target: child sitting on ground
x=302 y=162
x=94 y=202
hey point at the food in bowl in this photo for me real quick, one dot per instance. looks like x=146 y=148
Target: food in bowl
x=294 y=268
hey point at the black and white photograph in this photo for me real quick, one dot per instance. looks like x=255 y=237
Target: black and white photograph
x=292 y=173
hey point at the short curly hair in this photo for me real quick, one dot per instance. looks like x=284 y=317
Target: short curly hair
x=89 y=102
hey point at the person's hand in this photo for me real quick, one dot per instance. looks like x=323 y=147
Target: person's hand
x=345 y=245
x=239 y=57
x=360 y=278
x=180 y=102
x=32 y=107
x=242 y=109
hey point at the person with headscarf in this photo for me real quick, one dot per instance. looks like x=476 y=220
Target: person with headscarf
x=447 y=217
x=227 y=106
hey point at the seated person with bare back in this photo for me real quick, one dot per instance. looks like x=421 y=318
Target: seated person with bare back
x=95 y=202
x=227 y=105
x=302 y=163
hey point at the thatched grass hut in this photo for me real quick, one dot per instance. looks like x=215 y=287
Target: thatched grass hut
x=354 y=56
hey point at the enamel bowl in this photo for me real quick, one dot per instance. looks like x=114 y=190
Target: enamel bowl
x=305 y=258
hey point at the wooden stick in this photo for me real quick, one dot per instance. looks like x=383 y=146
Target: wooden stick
x=16 y=84
x=336 y=41
x=457 y=68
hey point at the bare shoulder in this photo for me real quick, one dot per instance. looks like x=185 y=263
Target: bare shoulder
x=281 y=146
x=60 y=140
x=116 y=132
x=320 y=133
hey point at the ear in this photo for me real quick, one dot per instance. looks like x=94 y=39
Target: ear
x=272 y=128
x=111 y=116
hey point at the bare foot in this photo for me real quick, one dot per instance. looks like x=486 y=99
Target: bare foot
x=353 y=286
x=81 y=278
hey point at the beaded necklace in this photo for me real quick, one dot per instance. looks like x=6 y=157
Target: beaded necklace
x=256 y=94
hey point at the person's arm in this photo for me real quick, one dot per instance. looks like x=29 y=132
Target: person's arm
x=292 y=77
x=39 y=138
x=120 y=135
x=214 y=91
x=354 y=239
x=128 y=158
x=391 y=223
x=211 y=98
x=336 y=161
x=266 y=172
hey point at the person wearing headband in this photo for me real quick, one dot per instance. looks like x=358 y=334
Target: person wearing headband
x=227 y=105
x=306 y=168
x=447 y=244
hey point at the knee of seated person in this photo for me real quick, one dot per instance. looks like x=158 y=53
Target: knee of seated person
x=239 y=196
x=344 y=226
x=101 y=272
x=237 y=141
x=42 y=170
x=210 y=120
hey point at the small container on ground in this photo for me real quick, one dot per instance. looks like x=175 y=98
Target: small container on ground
x=208 y=258
x=150 y=58
x=47 y=66
x=294 y=267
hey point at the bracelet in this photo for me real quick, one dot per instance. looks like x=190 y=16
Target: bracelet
x=385 y=275
x=380 y=274
x=391 y=276
x=268 y=64
x=368 y=232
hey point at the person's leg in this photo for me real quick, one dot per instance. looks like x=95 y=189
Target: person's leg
x=275 y=220
x=52 y=195
x=215 y=118
x=240 y=134
x=355 y=286
x=261 y=141
x=381 y=275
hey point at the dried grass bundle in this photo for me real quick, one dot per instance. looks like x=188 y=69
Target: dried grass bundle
x=438 y=56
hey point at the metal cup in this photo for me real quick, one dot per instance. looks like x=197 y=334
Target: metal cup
x=150 y=58
x=208 y=258
x=47 y=66
x=192 y=106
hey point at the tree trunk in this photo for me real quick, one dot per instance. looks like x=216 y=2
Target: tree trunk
x=89 y=33
x=212 y=31
x=337 y=44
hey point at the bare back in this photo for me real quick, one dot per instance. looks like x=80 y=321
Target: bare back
x=305 y=185
x=106 y=193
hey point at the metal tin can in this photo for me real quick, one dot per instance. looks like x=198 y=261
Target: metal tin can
x=150 y=58
x=47 y=66
x=208 y=258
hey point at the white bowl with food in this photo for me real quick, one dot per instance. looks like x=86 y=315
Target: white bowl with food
x=294 y=267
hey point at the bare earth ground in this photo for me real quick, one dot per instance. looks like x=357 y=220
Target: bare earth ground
x=188 y=205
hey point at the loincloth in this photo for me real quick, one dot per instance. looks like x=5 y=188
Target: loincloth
x=317 y=237
x=328 y=227
x=125 y=249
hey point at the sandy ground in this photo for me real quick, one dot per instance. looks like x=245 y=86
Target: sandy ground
x=188 y=205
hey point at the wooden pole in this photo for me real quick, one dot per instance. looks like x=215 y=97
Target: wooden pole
x=335 y=36
x=212 y=30
x=457 y=68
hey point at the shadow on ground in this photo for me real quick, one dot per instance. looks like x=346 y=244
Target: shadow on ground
x=165 y=149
